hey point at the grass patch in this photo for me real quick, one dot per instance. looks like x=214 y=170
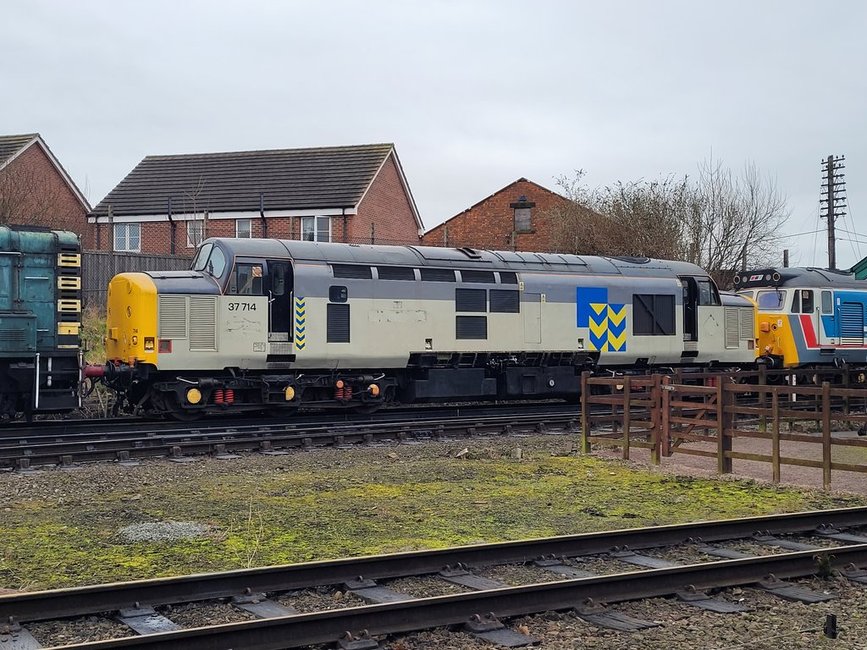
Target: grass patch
x=60 y=529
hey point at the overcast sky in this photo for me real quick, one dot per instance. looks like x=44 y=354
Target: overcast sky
x=473 y=94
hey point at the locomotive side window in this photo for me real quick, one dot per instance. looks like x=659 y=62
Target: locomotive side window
x=796 y=302
x=827 y=303
x=337 y=294
x=508 y=277
x=771 y=300
x=653 y=315
x=246 y=280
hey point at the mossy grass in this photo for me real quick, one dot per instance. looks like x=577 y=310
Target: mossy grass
x=61 y=529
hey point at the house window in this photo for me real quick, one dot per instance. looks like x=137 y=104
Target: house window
x=127 y=237
x=315 y=228
x=195 y=233
x=244 y=228
x=523 y=214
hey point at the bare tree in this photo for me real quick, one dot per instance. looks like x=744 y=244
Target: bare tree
x=28 y=197
x=719 y=221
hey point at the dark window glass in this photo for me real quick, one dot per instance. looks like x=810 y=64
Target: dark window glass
x=508 y=277
x=246 y=280
x=827 y=303
x=808 y=303
x=438 y=275
x=356 y=271
x=471 y=327
x=653 y=315
x=796 y=302
x=395 y=273
x=503 y=301
x=278 y=279
x=707 y=293
x=471 y=300
x=771 y=300
x=337 y=294
x=477 y=276
x=338 y=324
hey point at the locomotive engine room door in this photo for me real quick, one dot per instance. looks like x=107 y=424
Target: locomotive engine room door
x=279 y=288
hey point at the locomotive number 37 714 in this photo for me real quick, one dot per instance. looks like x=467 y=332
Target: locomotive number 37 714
x=242 y=306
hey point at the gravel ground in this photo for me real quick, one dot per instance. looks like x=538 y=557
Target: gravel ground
x=771 y=624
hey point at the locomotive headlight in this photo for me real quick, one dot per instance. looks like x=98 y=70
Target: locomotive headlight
x=134 y=339
x=149 y=344
x=373 y=389
x=194 y=395
x=289 y=393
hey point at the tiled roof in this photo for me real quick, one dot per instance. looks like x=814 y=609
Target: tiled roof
x=12 y=144
x=286 y=179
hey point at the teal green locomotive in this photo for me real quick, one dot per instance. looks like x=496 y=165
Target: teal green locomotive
x=40 y=321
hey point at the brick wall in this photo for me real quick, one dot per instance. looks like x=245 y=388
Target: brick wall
x=386 y=205
x=490 y=223
x=34 y=193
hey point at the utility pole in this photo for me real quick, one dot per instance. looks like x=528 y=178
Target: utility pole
x=833 y=198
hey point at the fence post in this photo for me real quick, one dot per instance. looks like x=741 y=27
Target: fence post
x=627 y=414
x=826 y=435
x=724 y=419
x=763 y=398
x=775 y=435
x=654 y=421
x=585 y=414
x=665 y=417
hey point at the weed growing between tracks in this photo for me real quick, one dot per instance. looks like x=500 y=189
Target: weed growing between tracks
x=61 y=528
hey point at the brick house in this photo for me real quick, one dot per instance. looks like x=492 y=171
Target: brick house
x=517 y=217
x=35 y=189
x=168 y=204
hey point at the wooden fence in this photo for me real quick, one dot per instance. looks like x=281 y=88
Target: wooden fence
x=99 y=267
x=710 y=414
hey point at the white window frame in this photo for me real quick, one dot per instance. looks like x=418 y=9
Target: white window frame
x=122 y=236
x=249 y=228
x=195 y=238
x=316 y=223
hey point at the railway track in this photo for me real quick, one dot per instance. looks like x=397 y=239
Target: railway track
x=583 y=573
x=126 y=442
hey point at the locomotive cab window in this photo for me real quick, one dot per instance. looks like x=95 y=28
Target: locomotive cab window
x=771 y=300
x=201 y=258
x=707 y=293
x=246 y=279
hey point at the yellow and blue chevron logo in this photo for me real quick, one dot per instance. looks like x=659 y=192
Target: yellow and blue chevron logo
x=300 y=323
x=606 y=322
